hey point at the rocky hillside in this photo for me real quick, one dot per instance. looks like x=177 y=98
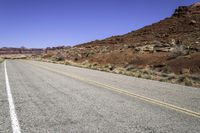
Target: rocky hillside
x=167 y=51
x=182 y=27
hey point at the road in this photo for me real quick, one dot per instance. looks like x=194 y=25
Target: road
x=54 y=98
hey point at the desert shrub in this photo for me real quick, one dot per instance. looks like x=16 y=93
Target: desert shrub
x=147 y=76
x=188 y=81
x=67 y=63
x=162 y=80
x=1 y=60
x=110 y=66
x=60 y=57
x=139 y=75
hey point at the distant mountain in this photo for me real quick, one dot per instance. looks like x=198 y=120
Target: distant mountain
x=22 y=50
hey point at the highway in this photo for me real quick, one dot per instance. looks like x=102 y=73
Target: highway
x=40 y=97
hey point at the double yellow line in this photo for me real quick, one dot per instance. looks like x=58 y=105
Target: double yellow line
x=123 y=91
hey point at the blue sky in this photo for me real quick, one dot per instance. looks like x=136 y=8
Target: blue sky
x=43 y=23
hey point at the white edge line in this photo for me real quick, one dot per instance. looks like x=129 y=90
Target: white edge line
x=13 y=115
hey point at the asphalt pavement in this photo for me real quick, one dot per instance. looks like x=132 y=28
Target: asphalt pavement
x=54 y=98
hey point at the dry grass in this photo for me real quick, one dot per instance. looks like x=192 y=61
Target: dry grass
x=146 y=73
x=1 y=60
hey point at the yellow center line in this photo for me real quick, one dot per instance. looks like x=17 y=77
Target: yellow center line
x=125 y=92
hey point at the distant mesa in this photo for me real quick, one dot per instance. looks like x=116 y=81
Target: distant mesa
x=22 y=50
